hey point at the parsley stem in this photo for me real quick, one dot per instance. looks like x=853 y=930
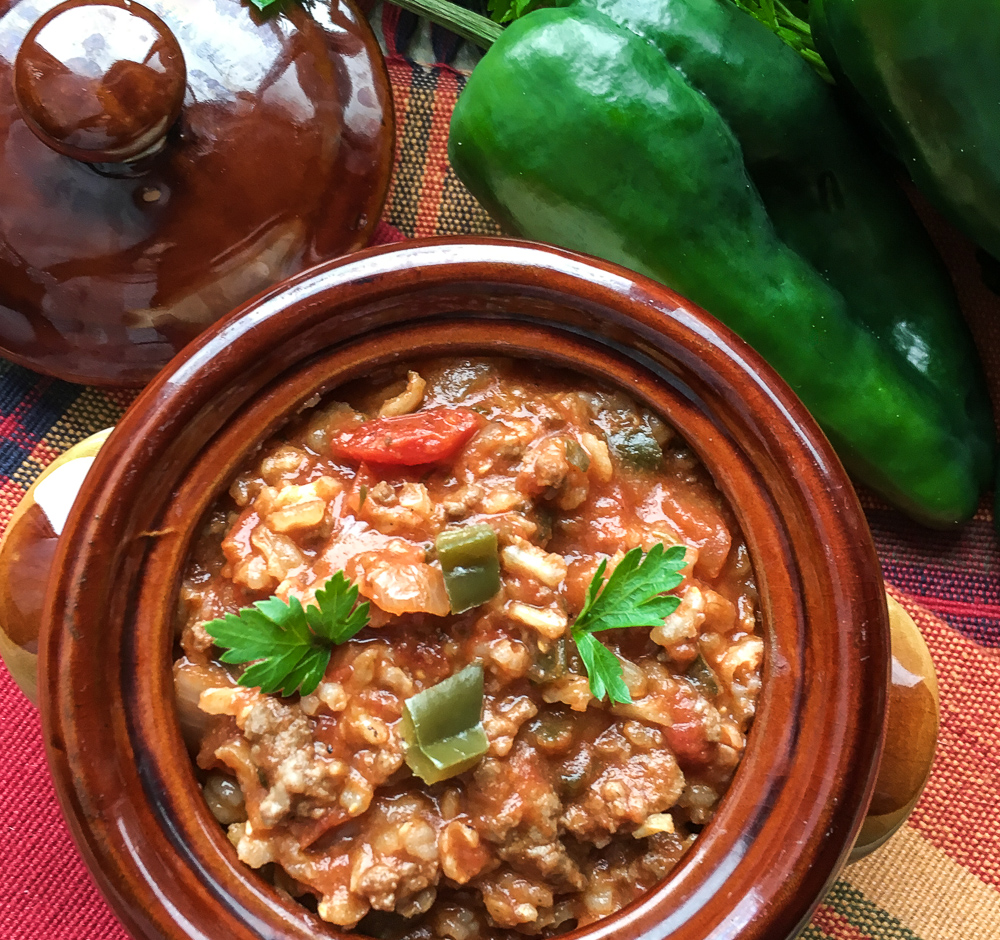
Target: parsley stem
x=471 y=26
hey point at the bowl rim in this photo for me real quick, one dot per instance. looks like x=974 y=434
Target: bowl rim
x=158 y=861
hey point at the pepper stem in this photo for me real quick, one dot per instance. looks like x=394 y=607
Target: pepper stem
x=471 y=26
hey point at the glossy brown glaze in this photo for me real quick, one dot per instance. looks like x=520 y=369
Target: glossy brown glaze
x=280 y=159
x=26 y=553
x=106 y=101
x=121 y=769
x=911 y=734
x=31 y=545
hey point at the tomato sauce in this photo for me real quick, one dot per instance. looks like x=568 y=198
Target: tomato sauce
x=579 y=805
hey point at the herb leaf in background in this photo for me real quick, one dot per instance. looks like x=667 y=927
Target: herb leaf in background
x=790 y=23
x=505 y=11
x=634 y=596
x=288 y=645
x=788 y=20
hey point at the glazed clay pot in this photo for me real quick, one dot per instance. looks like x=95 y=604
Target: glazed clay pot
x=162 y=163
x=124 y=779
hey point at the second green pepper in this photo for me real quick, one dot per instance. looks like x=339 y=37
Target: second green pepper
x=927 y=74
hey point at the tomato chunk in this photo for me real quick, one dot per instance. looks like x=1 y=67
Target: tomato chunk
x=409 y=440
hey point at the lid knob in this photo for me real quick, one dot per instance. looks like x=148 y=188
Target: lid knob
x=100 y=80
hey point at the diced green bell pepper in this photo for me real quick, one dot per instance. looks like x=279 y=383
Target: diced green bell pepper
x=470 y=564
x=442 y=726
x=636 y=447
x=576 y=456
x=704 y=676
x=551 y=663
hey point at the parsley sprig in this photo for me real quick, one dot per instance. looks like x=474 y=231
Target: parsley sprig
x=632 y=597
x=288 y=645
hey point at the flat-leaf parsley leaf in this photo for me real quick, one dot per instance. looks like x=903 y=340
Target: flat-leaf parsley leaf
x=288 y=645
x=634 y=596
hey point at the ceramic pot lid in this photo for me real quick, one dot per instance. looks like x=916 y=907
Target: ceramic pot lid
x=162 y=163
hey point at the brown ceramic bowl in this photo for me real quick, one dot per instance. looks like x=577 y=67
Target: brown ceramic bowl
x=125 y=781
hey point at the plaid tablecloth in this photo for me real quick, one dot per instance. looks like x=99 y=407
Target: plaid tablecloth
x=937 y=879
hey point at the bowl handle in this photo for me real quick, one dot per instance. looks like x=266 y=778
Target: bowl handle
x=26 y=553
x=911 y=734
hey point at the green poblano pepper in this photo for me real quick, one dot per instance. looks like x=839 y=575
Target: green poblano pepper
x=683 y=140
x=826 y=194
x=926 y=72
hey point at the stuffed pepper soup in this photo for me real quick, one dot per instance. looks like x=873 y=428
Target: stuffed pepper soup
x=469 y=649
